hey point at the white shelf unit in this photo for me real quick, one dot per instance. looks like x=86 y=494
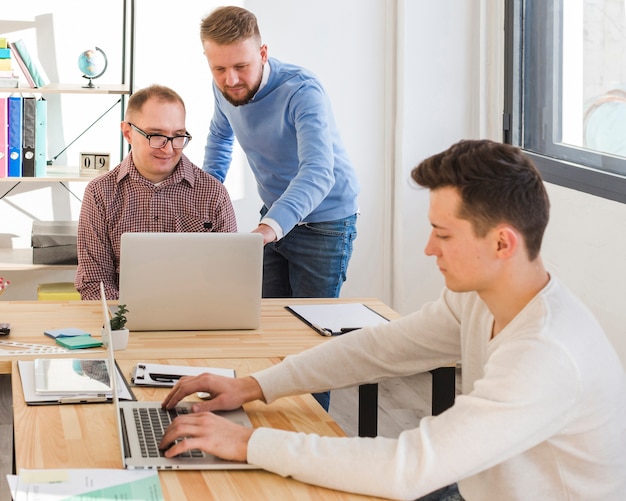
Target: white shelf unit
x=123 y=89
x=16 y=261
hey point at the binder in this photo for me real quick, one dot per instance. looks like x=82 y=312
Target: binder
x=28 y=136
x=41 y=135
x=4 y=147
x=14 y=166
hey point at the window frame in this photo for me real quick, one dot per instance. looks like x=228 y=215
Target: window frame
x=562 y=165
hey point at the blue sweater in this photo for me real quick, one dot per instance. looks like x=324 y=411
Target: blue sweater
x=289 y=136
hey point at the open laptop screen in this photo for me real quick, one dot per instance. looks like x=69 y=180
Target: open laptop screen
x=191 y=281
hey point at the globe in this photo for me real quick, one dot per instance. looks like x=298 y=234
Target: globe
x=93 y=63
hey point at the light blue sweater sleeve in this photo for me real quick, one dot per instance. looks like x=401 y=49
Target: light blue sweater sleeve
x=219 y=146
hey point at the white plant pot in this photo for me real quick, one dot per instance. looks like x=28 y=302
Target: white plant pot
x=119 y=339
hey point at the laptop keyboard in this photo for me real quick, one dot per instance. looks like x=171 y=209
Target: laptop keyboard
x=151 y=424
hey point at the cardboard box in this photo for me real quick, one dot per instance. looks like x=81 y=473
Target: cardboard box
x=54 y=242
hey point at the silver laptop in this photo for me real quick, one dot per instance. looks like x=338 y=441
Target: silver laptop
x=141 y=425
x=191 y=281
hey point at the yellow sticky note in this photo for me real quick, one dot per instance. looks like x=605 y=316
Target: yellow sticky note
x=44 y=476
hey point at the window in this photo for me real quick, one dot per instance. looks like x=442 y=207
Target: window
x=565 y=90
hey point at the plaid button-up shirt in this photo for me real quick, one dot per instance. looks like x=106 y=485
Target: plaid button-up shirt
x=122 y=200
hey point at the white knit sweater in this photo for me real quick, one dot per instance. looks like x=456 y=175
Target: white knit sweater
x=542 y=415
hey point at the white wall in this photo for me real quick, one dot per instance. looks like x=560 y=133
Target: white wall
x=449 y=56
x=585 y=246
x=344 y=43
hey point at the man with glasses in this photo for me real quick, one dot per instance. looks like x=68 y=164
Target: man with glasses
x=155 y=188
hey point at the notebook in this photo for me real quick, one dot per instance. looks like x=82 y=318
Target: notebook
x=191 y=281
x=137 y=422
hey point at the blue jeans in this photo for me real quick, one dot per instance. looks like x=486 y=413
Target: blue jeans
x=309 y=261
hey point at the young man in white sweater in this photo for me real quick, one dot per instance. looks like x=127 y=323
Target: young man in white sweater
x=542 y=413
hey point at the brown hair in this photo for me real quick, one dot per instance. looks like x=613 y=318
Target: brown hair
x=497 y=184
x=227 y=25
x=160 y=92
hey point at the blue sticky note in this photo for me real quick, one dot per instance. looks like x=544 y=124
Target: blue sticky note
x=66 y=332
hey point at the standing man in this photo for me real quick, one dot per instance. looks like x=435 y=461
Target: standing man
x=541 y=415
x=155 y=188
x=282 y=119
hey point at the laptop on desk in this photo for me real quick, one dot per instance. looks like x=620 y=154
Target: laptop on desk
x=191 y=281
x=141 y=425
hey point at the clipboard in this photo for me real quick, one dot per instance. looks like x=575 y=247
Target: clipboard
x=27 y=376
x=337 y=318
x=161 y=375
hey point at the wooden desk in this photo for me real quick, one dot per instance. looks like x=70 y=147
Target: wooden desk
x=280 y=334
x=85 y=436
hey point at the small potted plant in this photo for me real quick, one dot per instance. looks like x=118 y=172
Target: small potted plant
x=118 y=322
x=119 y=332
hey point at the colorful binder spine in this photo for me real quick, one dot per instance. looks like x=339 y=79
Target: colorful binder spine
x=14 y=167
x=41 y=116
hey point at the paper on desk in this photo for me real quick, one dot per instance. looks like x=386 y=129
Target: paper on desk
x=147 y=374
x=96 y=483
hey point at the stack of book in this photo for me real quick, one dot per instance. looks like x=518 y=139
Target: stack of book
x=8 y=79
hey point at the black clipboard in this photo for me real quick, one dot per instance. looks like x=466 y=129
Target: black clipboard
x=334 y=319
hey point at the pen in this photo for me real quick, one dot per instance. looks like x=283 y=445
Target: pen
x=343 y=330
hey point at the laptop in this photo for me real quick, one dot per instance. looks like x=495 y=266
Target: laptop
x=141 y=425
x=191 y=281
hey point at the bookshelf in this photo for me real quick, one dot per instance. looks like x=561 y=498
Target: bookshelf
x=50 y=29
x=98 y=111
x=60 y=88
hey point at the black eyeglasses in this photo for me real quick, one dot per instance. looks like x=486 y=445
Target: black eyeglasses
x=159 y=140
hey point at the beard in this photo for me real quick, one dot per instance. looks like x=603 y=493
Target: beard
x=247 y=97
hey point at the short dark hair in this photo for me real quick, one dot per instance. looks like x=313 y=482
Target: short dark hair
x=160 y=92
x=227 y=25
x=497 y=183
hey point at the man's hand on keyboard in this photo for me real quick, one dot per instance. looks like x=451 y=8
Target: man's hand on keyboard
x=226 y=393
x=208 y=432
